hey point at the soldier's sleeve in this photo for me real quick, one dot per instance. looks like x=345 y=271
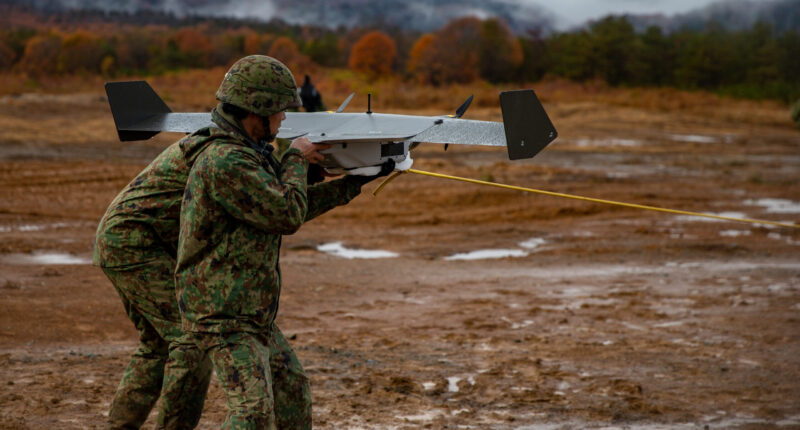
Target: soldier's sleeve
x=327 y=195
x=281 y=146
x=235 y=178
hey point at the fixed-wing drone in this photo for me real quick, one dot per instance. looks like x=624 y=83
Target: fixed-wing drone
x=361 y=141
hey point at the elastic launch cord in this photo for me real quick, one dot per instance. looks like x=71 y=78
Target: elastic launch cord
x=587 y=199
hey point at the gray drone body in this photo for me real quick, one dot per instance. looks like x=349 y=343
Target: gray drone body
x=359 y=139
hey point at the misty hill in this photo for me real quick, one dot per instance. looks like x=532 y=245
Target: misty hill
x=416 y=15
x=429 y=15
x=732 y=15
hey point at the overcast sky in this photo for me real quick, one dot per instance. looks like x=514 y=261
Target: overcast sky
x=577 y=11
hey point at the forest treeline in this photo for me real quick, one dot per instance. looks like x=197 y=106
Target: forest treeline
x=755 y=63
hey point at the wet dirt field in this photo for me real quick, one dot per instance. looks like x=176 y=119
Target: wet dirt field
x=592 y=316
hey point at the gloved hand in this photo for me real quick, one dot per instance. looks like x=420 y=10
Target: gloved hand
x=386 y=168
x=315 y=174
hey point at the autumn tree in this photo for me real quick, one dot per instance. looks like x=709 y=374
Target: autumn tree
x=456 y=50
x=227 y=47
x=7 y=56
x=257 y=43
x=465 y=50
x=193 y=47
x=136 y=49
x=81 y=52
x=41 y=55
x=16 y=39
x=500 y=52
x=373 y=55
x=284 y=49
x=422 y=60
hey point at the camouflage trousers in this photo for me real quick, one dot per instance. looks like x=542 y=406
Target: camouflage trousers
x=265 y=384
x=148 y=294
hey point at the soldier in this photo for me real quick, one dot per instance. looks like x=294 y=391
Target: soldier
x=312 y=99
x=136 y=245
x=238 y=203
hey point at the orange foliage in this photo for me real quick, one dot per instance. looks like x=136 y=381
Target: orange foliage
x=81 y=52
x=456 y=51
x=416 y=57
x=194 y=45
x=191 y=40
x=255 y=43
x=422 y=60
x=465 y=50
x=41 y=55
x=227 y=46
x=373 y=55
x=285 y=50
x=134 y=48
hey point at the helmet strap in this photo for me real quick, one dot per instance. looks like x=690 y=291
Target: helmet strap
x=266 y=123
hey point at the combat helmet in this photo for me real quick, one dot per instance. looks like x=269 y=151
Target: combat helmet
x=259 y=84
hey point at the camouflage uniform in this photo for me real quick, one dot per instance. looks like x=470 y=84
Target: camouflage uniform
x=236 y=207
x=136 y=245
x=238 y=202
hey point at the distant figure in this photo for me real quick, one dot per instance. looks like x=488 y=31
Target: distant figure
x=312 y=99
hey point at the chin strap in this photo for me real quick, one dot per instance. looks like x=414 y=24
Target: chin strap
x=267 y=127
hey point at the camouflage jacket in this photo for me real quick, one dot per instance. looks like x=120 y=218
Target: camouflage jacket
x=142 y=222
x=235 y=209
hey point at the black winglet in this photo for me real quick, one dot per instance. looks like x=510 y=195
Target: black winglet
x=464 y=106
x=132 y=103
x=528 y=128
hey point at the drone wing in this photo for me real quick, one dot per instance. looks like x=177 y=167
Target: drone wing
x=526 y=129
x=139 y=113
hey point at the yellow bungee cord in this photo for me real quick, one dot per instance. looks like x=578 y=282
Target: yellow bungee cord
x=571 y=196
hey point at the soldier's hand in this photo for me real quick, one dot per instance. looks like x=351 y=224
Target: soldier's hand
x=310 y=150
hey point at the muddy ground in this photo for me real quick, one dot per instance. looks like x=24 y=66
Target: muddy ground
x=598 y=317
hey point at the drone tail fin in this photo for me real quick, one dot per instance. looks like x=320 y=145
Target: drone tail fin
x=527 y=126
x=135 y=107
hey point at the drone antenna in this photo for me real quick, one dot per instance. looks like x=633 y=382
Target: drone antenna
x=369 y=104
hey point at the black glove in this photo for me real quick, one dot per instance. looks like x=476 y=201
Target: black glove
x=386 y=168
x=315 y=175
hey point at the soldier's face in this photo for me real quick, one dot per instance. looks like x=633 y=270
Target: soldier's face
x=275 y=121
x=259 y=127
